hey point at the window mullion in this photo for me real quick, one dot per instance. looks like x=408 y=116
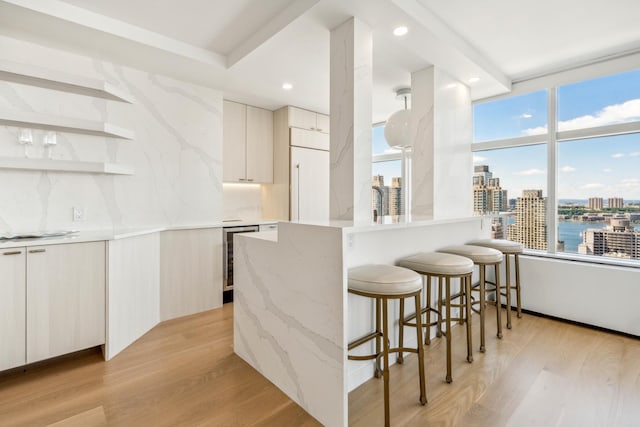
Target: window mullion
x=552 y=172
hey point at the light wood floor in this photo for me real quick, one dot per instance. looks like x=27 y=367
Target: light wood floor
x=184 y=372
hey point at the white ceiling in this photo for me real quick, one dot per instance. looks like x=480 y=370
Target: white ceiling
x=248 y=48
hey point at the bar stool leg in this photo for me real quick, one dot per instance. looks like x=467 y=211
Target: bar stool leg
x=467 y=302
x=517 y=261
x=440 y=304
x=423 y=387
x=400 y=357
x=385 y=354
x=378 y=371
x=448 y=323
x=508 y=288
x=498 y=298
x=482 y=307
x=427 y=334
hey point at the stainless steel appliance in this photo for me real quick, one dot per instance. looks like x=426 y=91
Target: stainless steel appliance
x=228 y=233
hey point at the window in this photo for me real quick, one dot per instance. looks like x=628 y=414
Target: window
x=510 y=117
x=513 y=180
x=594 y=175
x=386 y=194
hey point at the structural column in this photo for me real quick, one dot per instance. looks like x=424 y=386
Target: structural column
x=351 y=115
x=441 y=134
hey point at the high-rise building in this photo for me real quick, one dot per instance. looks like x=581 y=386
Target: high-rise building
x=530 y=227
x=395 y=197
x=380 y=199
x=595 y=203
x=619 y=239
x=488 y=196
x=615 y=203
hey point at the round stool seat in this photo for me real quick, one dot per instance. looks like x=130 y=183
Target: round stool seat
x=384 y=279
x=477 y=254
x=438 y=263
x=504 y=246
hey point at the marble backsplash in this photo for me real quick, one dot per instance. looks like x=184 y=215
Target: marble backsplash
x=176 y=153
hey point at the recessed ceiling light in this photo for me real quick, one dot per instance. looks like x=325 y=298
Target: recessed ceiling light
x=474 y=80
x=287 y=86
x=400 y=31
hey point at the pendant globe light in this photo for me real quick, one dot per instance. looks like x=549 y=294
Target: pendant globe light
x=396 y=130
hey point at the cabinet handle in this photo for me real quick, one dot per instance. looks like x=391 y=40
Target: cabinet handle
x=37 y=251
x=241 y=179
x=250 y=179
x=12 y=253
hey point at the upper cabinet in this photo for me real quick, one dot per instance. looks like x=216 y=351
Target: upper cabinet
x=247 y=143
x=305 y=119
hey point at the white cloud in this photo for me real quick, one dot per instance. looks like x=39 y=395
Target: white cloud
x=479 y=159
x=593 y=186
x=535 y=131
x=606 y=170
x=568 y=169
x=617 y=155
x=526 y=116
x=530 y=172
x=634 y=154
x=618 y=113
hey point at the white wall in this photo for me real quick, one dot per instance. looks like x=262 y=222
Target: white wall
x=177 y=152
x=599 y=295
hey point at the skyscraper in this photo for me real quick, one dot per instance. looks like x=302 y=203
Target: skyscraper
x=595 y=203
x=395 y=196
x=619 y=239
x=530 y=227
x=488 y=196
x=380 y=202
x=615 y=203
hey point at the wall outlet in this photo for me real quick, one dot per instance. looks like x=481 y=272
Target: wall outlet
x=79 y=213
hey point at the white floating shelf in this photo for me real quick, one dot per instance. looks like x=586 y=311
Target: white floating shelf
x=64 y=166
x=63 y=124
x=56 y=80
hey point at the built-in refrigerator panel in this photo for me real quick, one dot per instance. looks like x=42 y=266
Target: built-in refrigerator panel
x=309 y=184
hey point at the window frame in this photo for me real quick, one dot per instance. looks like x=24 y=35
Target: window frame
x=551 y=139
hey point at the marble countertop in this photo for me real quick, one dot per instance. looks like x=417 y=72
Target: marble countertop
x=387 y=222
x=123 y=233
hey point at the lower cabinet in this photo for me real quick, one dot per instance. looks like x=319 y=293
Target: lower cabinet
x=12 y=308
x=53 y=301
x=190 y=271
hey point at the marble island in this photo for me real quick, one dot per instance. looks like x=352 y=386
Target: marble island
x=293 y=316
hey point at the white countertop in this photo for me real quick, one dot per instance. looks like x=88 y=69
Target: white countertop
x=386 y=223
x=123 y=233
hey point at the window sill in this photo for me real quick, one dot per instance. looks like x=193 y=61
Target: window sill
x=562 y=256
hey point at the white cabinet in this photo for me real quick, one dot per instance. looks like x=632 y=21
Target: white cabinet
x=268 y=227
x=309 y=139
x=305 y=119
x=65 y=299
x=309 y=184
x=247 y=143
x=12 y=308
x=190 y=272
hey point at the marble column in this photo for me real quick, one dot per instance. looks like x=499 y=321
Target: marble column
x=441 y=131
x=351 y=112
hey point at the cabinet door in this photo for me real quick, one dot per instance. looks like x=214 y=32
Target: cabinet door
x=309 y=184
x=304 y=119
x=65 y=299
x=322 y=123
x=309 y=139
x=259 y=145
x=12 y=308
x=234 y=141
x=190 y=272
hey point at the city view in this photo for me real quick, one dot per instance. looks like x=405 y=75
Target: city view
x=594 y=226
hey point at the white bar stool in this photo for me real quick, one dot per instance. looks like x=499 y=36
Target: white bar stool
x=507 y=248
x=441 y=266
x=482 y=257
x=382 y=283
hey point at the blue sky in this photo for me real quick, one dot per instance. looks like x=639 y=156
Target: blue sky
x=599 y=167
